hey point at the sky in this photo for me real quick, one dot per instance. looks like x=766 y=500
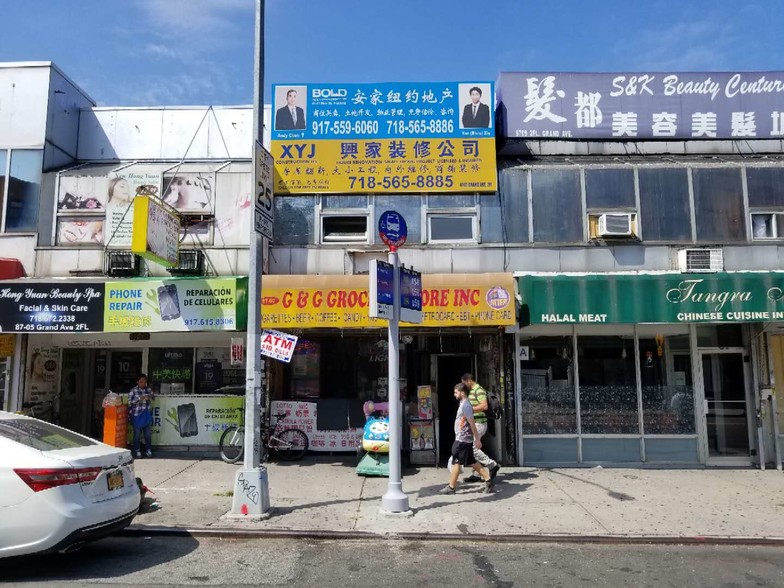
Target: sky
x=200 y=52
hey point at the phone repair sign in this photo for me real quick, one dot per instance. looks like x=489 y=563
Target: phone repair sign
x=278 y=345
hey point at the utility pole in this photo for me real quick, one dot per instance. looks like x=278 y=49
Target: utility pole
x=251 y=487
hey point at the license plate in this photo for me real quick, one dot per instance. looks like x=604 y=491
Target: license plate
x=115 y=481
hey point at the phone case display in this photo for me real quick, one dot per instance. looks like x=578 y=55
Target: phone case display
x=423 y=443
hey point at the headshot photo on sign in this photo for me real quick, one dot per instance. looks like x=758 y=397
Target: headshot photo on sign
x=474 y=105
x=291 y=107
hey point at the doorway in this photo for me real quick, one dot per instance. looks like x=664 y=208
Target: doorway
x=449 y=369
x=724 y=384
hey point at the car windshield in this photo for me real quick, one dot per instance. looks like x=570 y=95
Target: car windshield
x=40 y=435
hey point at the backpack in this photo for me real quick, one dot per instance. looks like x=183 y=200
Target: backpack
x=494 y=408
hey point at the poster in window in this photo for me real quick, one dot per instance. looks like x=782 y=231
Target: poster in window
x=189 y=192
x=80 y=231
x=121 y=190
x=82 y=194
x=42 y=367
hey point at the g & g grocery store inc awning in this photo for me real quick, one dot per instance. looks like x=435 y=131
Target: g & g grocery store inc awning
x=728 y=297
x=448 y=300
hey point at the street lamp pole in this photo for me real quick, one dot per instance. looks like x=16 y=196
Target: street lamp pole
x=394 y=500
x=251 y=487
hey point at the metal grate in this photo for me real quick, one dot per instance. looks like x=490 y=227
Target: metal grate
x=190 y=262
x=122 y=263
x=702 y=260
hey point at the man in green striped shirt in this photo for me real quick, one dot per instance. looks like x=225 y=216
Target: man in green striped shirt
x=477 y=396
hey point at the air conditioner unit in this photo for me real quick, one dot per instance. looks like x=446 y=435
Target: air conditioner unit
x=700 y=260
x=615 y=224
x=190 y=262
x=122 y=264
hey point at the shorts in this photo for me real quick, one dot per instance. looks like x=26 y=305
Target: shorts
x=463 y=453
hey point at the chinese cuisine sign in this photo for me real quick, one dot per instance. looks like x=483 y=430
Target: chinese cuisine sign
x=156 y=231
x=389 y=137
x=656 y=105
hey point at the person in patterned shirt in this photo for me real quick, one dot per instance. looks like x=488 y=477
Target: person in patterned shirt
x=140 y=415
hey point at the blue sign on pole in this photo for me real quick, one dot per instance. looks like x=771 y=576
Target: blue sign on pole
x=392 y=228
x=410 y=295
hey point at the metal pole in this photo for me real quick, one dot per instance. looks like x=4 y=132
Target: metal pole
x=251 y=488
x=395 y=500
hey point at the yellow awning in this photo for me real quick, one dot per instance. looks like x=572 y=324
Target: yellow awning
x=340 y=301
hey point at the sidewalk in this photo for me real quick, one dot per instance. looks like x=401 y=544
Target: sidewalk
x=323 y=494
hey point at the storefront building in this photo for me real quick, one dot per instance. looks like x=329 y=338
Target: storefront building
x=647 y=255
x=85 y=339
x=341 y=358
x=643 y=368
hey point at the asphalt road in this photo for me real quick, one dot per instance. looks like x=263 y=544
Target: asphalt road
x=187 y=561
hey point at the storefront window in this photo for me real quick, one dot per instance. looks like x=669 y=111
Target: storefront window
x=216 y=374
x=667 y=390
x=547 y=382
x=24 y=191
x=718 y=204
x=305 y=369
x=171 y=370
x=504 y=216
x=608 y=385
x=664 y=204
x=765 y=185
x=557 y=206
x=609 y=189
x=347 y=368
x=294 y=220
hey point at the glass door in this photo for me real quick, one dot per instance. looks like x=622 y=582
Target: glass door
x=726 y=410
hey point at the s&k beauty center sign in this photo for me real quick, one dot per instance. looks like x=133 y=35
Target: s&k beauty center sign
x=342 y=301
x=648 y=105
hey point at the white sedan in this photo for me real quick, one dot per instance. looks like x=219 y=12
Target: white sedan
x=59 y=489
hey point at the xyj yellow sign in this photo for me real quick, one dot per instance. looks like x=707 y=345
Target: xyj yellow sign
x=387 y=165
x=342 y=301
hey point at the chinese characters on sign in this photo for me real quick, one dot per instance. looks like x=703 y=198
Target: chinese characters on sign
x=414 y=137
x=747 y=105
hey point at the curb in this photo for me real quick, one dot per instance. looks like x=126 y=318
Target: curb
x=224 y=532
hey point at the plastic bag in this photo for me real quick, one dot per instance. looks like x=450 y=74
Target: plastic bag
x=112 y=399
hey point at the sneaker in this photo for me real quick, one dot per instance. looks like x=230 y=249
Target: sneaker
x=138 y=455
x=148 y=453
x=494 y=471
x=488 y=487
x=472 y=479
x=447 y=490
